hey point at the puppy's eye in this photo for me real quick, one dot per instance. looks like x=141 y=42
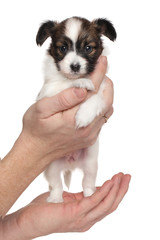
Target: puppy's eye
x=63 y=49
x=88 y=49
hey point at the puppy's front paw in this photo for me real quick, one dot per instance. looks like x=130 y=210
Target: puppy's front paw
x=84 y=83
x=83 y=119
x=89 y=110
x=86 y=114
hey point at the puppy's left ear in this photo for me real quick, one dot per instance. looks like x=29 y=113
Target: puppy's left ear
x=106 y=28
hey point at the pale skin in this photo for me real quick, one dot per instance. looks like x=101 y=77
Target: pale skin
x=49 y=133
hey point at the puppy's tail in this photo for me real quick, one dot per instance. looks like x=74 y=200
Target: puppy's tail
x=67 y=178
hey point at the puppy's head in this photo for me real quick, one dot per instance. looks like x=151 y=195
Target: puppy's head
x=76 y=43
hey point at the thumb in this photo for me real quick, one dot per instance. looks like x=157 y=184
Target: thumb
x=64 y=100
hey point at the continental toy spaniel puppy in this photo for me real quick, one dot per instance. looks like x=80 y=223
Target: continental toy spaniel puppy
x=75 y=47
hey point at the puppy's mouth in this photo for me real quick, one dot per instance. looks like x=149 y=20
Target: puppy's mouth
x=74 y=75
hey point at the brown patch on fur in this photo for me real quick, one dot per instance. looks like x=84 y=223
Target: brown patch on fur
x=89 y=36
x=58 y=40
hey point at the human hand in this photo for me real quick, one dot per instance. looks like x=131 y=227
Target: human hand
x=49 y=124
x=75 y=214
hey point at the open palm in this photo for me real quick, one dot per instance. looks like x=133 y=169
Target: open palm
x=76 y=213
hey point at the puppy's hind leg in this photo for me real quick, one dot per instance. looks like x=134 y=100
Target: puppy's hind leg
x=53 y=176
x=90 y=170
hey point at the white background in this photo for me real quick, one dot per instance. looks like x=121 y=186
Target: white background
x=129 y=142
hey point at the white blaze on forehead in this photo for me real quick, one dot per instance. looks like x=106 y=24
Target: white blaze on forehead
x=73 y=27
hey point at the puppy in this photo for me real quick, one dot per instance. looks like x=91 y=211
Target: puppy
x=75 y=47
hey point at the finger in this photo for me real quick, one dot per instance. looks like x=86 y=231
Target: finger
x=108 y=93
x=109 y=113
x=104 y=206
x=122 y=191
x=120 y=174
x=99 y=121
x=89 y=203
x=98 y=75
x=105 y=117
x=66 y=99
x=71 y=197
x=108 y=98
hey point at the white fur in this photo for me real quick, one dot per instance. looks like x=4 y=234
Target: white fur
x=73 y=27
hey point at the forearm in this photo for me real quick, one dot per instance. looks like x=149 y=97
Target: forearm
x=17 y=170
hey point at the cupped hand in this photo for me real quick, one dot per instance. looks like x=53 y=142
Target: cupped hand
x=75 y=214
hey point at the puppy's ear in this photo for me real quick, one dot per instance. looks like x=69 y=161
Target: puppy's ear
x=106 y=28
x=45 y=31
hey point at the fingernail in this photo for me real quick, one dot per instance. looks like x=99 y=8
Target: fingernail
x=103 y=59
x=80 y=92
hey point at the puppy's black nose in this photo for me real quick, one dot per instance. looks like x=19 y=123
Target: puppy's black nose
x=75 y=67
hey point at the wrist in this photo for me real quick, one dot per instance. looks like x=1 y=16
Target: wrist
x=37 y=149
x=31 y=149
x=11 y=228
x=41 y=150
